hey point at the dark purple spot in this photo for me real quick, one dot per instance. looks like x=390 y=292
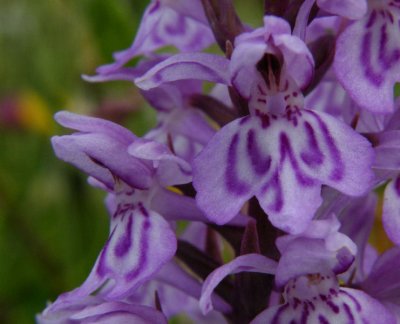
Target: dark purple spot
x=264 y=118
x=333 y=306
x=261 y=165
x=323 y=320
x=232 y=182
x=143 y=210
x=125 y=242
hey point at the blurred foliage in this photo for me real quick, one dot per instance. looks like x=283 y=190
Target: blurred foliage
x=52 y=224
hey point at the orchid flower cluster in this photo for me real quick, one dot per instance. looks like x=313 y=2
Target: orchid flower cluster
x=279 y=148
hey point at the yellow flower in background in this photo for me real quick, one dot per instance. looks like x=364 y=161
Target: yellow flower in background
x=26 y=111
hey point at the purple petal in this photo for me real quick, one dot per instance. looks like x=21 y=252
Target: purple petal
x=178 y=23
x=367 y=60
x=103 y=158
x=87 y=124
x=171 y=169
x=118 y=312
x=248 y=263
x=93 y=309
x=299 y=29
x=319 y=249
x=388 y=151
x=196 y=66
x=357 y=221
x=383 y=281
x=352 y=9
x=391 y=210
x=140 y=242
x=318 y=299
x=299 y=62
x=286 y=172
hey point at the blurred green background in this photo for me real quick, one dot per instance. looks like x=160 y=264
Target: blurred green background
x=52 y=224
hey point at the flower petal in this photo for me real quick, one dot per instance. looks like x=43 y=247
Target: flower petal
x=391 y=210
x=303 y=151
x=186 y=66
x=140 y=242
x=352 y=9
x=367 y=60
x=178 y=23
x=346 y=306
x=248 y=263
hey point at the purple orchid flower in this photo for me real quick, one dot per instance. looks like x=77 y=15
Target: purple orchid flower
x=306 y=148
x=179 y=23
x=307 y=270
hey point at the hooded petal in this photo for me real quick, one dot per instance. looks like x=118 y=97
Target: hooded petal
x=321 y=248
x=171 y=169
x=100 y=150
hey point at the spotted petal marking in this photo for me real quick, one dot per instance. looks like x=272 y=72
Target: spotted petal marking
x=140 y=242
x=283 y=161
x=318 y=299
x=367 y=59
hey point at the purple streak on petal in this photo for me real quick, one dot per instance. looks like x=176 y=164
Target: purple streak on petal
x=125 y=241
x=387 y=60
x=143 y=251
x=354 y=300
x=261 y=165
x=314 y=156
x=279 y=311
x=371 y=20
x=286 y=151
x=337 y=173
x=275 y=185
x=232 y=182
x=102 y=268
x=374 y=77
